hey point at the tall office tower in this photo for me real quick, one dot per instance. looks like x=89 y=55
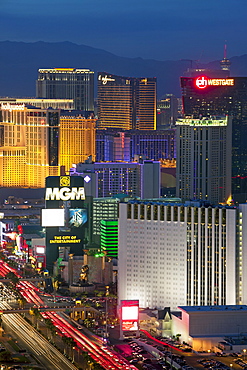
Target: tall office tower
x=177 y=254
x=34 y=144
x=204 y=159
x=205 y=97
x=167 y=111
x=131 y=178
x=67 y=83
x=29 y=145
x=78 y=128
x=115 y=145
x=126 y=102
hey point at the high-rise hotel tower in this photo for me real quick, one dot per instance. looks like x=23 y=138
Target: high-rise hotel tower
x=126 y=102
x=206 y=97
x=67 y=83
x=204 y=159
x=35 y=142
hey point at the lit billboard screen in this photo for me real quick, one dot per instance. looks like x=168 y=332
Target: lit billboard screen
x=53 y=217
x=129 y=315
x=40 y=250
x=77 y=217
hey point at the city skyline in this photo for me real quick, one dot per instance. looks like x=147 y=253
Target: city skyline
x=157 y=30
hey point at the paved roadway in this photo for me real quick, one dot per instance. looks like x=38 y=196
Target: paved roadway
x=42 y=350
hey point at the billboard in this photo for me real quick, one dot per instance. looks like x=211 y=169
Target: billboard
x=53 y=217
x=77 y=217
x=64 y=194
x=129 y=314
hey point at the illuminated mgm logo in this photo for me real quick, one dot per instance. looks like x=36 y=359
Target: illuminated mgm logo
x=65 y=194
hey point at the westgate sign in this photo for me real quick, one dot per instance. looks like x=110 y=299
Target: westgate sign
x=202 y=82
x=65 y=193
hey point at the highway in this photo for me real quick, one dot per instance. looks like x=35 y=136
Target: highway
x=43 y=351
x=101 y=354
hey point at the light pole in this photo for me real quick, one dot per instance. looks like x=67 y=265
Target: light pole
x=244 y=350
x=73 y=354
x=231 y=366
x=106 y=316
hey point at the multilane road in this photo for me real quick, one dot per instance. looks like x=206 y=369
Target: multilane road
x=43 y=351
x=101 y=354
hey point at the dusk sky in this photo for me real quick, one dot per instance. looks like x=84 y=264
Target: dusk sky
x=158 y=29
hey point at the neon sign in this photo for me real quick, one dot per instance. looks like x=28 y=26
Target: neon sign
x=202 y=82
x=105 y=79
x=65 y=193
x=8 y=106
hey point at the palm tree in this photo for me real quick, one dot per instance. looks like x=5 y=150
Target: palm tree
x=14 y=279
x=50 y=327
x=71 y=344
x=37 y=316
x=65 y=340
x=22 y=301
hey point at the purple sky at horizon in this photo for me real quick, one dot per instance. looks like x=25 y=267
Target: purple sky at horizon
x=159 y=29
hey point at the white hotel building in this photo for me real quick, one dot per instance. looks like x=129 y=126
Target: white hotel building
x=173 y=254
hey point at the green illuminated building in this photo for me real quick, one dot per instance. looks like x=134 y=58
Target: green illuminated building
x=109 y=237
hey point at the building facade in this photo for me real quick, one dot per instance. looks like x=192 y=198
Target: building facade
x=126 y=102
x=35 y=142
x=167 y=111
x=115 y=145
x=109 y=238
x=77 y=137
x=206 y=97
x=67 y=83
x=204 y=159
x=174 y=254
x=29 y=145
x=104 y=209
x=41 y=103
x=212 y=328
x=131 y=178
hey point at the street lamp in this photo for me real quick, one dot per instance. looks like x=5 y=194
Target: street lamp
x=231 y=366
x=73 y=354
x=244 y=350
x=106 y=317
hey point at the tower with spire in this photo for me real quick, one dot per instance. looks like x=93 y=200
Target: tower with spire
x=225 y=63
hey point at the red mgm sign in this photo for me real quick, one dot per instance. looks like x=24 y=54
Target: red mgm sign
x=203 y=82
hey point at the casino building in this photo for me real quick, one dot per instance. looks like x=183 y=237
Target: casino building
x=204 y=159
x=205 y=97
x=126 y=102
x=124 y=145
x=174 y=254
x=67 y=83
x=35 y=142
